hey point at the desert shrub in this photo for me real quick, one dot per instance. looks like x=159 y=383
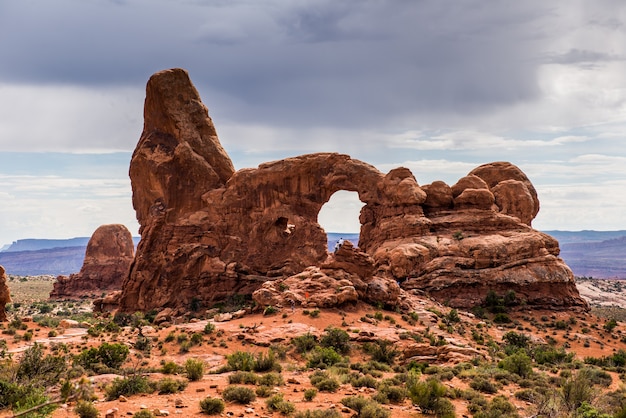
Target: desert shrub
x=246 y=378
x=143 y=344
x=127 y=386
x=516 y=340
x=318 y=413
x=196 y=338
x=483 y=385
x=382 y=351
x=264 y=391
x=168 y=385
x=86 y=409
x=310 y=394
x=212 y=406
x=238 y=394
x=576 y=390
x=391 y=394
x=550 y=355
x=144 y=413
x=498 y=407
x=209 y=328
x=241 y=360
x=323 y=357
x=35 y=368
x=33 y=398
x=501 y=318
x=610 y=325
x=429 y=396
x=528 y=395
x=270 y=310
x=170 y=367
x=266 y=362
x=365 y=408
x=518 y=363
x=109 y=355
x=304 y=343
x=270 y=379
x=323 y=381
x=364 y=381
x=277 y=403
x=336 y=338
x=194 y=368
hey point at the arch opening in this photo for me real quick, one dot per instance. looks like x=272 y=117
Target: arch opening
x=339 y=217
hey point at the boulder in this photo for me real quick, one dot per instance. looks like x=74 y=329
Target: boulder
x=110 y=252
x=209 y=232
x=5 y=294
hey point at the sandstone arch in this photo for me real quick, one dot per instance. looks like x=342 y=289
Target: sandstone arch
x=208 y=232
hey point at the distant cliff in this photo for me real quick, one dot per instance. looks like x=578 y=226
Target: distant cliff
x=33 y=244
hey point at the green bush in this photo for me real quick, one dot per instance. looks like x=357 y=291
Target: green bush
x=304 y=343
x=240 y=360
x=429 y=396
x=382 y=351
x=498 y=407
x=518 y=363
x=483 y=385
x=323 y=381
x=238 y=394
x=266 y=362
x=246 y=378
x=212 y=406
x=319 y=413
x=270 y=379
x=86 y=409
x=36 y=369
x=127 y=386
x=365 y=408
x=170 y=367
x=336 y=338
x=144 y=413
x=310 y=394
x=264 y=391
x=277 y=403
x=209 y=328
x=323 y=357
x=109 y=355
x=391 y=394
x=577 y=390
x=167 y=385
x=194 y=368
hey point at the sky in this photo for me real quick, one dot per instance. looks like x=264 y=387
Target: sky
x=438 y=86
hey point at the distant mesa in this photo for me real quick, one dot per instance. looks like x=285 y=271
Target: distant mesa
x=209 y=232
x=108 y=257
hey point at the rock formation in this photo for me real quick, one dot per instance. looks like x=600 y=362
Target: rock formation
x=5 y=294
x=208 y=232
x=108 y=257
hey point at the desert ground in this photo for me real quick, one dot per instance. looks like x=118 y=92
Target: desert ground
x=469 y=361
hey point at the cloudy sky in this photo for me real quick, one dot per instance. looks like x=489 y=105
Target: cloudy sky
x=438 y=86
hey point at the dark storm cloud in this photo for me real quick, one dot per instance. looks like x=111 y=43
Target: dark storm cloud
x=310 y=62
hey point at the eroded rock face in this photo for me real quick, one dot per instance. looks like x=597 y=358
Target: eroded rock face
x=209 y=232
x=5 y=294
x=108 y=257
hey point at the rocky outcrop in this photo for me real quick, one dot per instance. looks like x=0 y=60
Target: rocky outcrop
x=208 y=232
x=108 y=257
x=5 y=294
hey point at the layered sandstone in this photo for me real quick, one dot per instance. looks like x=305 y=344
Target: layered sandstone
x=208 y=232
x=5 y=294
x=108 y=257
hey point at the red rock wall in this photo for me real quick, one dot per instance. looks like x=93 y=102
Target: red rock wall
x=109 y=254
x=209 y=232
